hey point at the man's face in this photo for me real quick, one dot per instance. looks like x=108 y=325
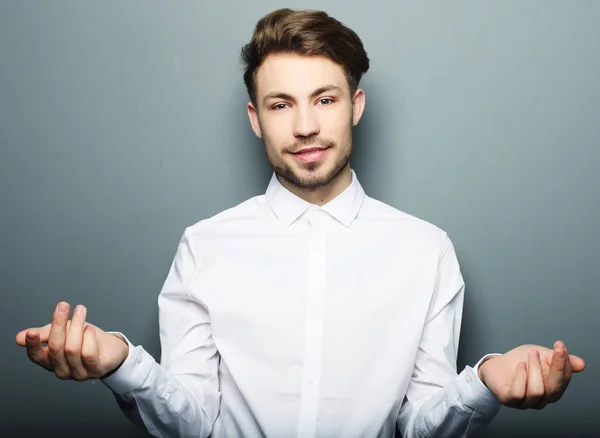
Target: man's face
x=304 y=113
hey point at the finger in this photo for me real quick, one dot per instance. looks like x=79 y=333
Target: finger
x=41 y=331
x=517 y=390
x=568 y=367
x=56 y=341
x=557 y=374
x=35 y=350
x=89 y=350
x=535 y=381
x=577 y=364
x=74 y=342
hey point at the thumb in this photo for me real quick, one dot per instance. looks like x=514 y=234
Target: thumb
x=577 y=363
x=89 y=349
x=42 y=331
x=20 y=337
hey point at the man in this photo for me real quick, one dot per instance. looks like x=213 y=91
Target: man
x=313 y=310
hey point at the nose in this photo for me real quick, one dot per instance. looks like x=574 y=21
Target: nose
x=306 y=123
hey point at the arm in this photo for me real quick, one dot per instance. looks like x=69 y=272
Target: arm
x=439 y=403
x=179 y=397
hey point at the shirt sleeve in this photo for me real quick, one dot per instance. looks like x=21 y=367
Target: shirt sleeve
x=180 y=396
x=438 y=402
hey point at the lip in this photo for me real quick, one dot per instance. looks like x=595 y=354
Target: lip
x=310 y=155
x=306 y=150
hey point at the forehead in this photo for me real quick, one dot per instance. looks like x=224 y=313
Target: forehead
x=297 y=75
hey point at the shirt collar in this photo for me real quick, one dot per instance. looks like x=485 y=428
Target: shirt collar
x=289 y=207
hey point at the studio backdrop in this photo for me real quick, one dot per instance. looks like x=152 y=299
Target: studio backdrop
x=122 y=123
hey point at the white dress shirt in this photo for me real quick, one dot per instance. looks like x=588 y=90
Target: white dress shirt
x=279 y=318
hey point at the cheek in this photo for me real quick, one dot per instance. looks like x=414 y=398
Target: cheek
x=339 y=132
x=277 y=133
x=273 y=144
x=337 y=124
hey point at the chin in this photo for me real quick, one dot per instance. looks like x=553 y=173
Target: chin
x=311 y=177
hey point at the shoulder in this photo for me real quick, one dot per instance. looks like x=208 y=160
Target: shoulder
x=403 y=226
x=233 y=216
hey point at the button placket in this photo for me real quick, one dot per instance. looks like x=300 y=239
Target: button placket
x=314 y=325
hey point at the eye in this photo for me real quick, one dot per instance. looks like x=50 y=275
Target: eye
x=326 y=101
x=280 y=106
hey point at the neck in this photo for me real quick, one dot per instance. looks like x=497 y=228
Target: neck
x=323 y=194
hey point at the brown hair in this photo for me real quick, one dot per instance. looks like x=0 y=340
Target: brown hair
x=306 y=33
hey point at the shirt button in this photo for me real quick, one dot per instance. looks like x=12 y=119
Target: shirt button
x=315 y=250
x=310 y=382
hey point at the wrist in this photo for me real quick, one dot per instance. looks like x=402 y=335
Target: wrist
x=480 y=374
x=482 y=368
x=124 y=355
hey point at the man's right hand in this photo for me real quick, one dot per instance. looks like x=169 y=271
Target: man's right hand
x=75 y=349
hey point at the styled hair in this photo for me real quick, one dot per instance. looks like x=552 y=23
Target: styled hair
x=305 y=33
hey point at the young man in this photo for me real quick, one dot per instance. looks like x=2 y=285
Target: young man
x=313 y=310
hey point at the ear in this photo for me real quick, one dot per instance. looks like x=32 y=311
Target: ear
x=358 y=105
x=253 y=116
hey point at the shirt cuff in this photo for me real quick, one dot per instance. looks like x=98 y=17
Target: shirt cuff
x=474 y=393
x=133 y=371
x=481 y=361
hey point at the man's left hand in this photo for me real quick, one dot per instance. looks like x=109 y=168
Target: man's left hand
x=530 y=376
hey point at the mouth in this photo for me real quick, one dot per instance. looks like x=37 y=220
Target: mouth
x=310 y=155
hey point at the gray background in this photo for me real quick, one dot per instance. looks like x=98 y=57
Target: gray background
x=123 y=122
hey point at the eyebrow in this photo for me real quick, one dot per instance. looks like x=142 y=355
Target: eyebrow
x=285 y=96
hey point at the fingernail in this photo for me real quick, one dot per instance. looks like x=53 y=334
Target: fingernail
x=62 y=307
x=31 y=335
x=79 y=308
x=561 y=353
